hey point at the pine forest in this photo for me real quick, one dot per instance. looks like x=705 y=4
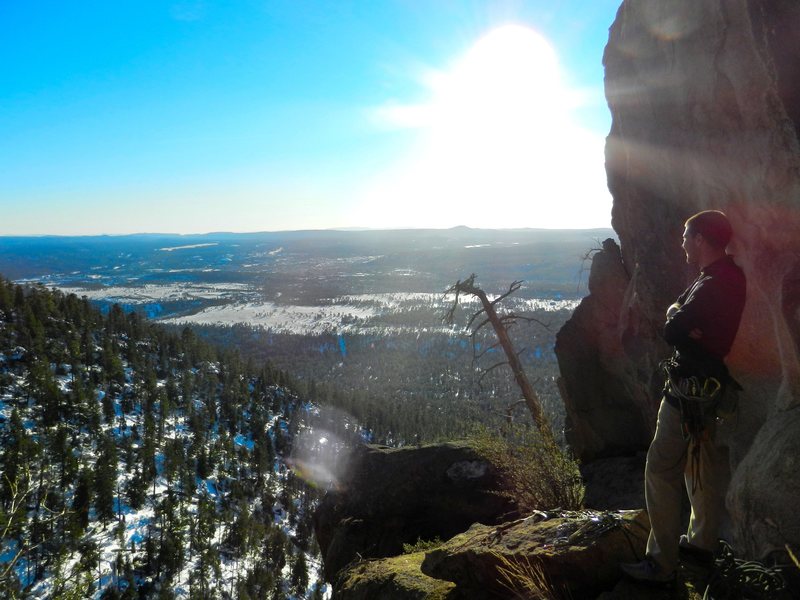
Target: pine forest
x=138 y=462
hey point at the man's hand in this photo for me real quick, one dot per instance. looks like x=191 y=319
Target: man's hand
x=673 y=309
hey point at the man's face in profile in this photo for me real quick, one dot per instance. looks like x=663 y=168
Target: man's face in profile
x=691 y=242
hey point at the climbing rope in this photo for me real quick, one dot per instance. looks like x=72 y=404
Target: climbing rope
x=737 y=579
x=697 y=399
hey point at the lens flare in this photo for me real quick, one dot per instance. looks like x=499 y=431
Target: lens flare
x=321 y=450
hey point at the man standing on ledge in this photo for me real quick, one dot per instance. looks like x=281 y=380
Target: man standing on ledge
x=701 y=325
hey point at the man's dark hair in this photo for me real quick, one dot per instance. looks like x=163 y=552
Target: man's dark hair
x=713 y=225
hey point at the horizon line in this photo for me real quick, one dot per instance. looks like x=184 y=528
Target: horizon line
x=330 y=229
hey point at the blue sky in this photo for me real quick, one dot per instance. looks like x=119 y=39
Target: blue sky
x=188 y=117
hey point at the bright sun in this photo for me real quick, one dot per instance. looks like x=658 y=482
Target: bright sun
x=498 y=146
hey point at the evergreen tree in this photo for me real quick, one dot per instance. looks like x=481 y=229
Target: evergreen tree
x=105 y=479
x=299 y=577
x=81 y=502
x=170 y=551
x=17 y=452
x=136 y=489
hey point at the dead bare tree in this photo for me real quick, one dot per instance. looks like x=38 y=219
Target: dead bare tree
x=586 y=263
x=501 y=324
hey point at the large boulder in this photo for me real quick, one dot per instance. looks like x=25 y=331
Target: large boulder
x=577 y=553
x=766 y=488
x=614 y=483
x=705 y=104
x=390 y=497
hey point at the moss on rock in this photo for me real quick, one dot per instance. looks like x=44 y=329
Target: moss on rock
x=395 y=578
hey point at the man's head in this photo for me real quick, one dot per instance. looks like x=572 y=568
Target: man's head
x=706 y=235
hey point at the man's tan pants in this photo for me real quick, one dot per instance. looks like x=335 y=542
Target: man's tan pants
x=668 y=467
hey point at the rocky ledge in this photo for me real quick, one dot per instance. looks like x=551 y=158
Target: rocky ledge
x=419 y=496
x=381 y=536
x=575 y=554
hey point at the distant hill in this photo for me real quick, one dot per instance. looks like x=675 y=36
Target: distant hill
x=367 y=259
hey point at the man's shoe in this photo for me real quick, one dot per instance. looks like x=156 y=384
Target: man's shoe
x=691 y=553
x=647 y=571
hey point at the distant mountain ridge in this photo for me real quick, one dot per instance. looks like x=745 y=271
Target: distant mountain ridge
x=552 y=257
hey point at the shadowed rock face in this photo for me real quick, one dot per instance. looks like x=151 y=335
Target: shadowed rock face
x=705 y=100
x=392 y=497
x=609 y=412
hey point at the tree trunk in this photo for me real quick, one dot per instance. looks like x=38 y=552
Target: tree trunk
x=530 y=395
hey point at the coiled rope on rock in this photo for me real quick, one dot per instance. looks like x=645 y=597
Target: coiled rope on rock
x=736 y=579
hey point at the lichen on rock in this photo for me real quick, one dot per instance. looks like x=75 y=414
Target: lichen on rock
x=394 y=578
x=577 y=551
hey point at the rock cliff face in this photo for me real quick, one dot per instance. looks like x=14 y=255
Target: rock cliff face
x=705 y=100
x=609 y=411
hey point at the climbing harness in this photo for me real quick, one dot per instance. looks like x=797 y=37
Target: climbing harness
x=698 y=399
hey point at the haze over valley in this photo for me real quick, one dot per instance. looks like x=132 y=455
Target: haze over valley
x=356 y=315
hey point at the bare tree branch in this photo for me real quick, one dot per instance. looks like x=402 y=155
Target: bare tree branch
x=490 y=369
x=511 y=289
x=510 y=409
x=456 y=289
x=515 y=317
x=486 y=321
x=18 y=502
x=484 y=351
x=501 y=324
x=586 y=261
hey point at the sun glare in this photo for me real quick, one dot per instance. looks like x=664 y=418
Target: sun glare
x=497 y=144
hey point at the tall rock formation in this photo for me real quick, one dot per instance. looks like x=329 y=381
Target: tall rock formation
x=705 y=100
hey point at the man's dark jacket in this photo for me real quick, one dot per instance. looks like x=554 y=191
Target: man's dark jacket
x=712 y=304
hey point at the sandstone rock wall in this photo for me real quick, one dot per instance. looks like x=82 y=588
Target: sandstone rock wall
x=705 y=100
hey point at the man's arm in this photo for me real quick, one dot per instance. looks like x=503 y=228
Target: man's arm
x=685 y=322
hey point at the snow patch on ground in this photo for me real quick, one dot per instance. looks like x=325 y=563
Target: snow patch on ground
x=281 y=318
x=149 y=293
x=188 y=246
x=345 y=314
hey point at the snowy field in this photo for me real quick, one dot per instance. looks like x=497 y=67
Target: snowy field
x=346 y=314
x=351 y=313
x=397 y=300
x=154 y=293
x=281 y=318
